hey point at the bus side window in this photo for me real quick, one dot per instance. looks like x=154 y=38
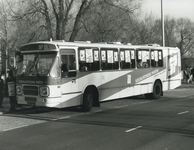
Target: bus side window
x=127 y=59
x=143 y=58
x=109 y=59
x=156 y=58
x=64 y=70
x=88 y=59
x=160 y=58
x=68 y=65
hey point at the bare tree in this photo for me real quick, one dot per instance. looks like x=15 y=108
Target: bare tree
x=61 y=10
x=185 y=35
x=143 y=30
x=170 y=31
x=108 y=21
x=8 y=35
x=64 y=19
x=45 y=12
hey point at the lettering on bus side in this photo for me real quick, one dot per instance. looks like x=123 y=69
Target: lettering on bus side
x=30 y=82
x=146 y=75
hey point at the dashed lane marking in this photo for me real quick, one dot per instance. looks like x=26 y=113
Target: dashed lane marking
x=184 y=112
x=121 y=106
x=133 y=129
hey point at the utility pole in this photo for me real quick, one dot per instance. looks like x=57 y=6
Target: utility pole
x=6 y=63
x=162 y=20
x=0 y=58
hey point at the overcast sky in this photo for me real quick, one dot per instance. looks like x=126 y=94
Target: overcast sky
x=172 y=8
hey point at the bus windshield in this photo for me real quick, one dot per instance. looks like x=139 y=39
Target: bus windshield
x=36 y=64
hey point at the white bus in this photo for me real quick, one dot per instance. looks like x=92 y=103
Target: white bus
x=65 y=74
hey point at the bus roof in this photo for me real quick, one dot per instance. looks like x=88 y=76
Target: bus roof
x=54 y=45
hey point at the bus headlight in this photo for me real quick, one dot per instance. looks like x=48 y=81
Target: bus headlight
x=19 y=89
x=44 y=91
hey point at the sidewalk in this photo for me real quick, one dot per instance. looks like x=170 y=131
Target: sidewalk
x=185 y=85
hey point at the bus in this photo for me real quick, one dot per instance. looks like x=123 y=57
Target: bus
x=63 y=74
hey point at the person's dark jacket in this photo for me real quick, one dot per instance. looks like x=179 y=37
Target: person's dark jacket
x=1 y=86
x=192 y=71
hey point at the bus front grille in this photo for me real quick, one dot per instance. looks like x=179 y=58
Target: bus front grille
x=30 y=90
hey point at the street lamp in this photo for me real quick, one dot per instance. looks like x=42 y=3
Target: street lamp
x=162 y=20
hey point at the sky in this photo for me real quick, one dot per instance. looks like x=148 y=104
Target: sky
x=172 y=8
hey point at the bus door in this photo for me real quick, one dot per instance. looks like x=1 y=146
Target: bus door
x=69 y=82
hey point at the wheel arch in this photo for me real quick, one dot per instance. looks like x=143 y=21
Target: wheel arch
x=153 y=94
x=96 y=94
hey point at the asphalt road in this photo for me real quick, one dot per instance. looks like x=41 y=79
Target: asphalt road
x=128 y=124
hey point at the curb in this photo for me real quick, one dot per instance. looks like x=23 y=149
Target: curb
x=185 y=85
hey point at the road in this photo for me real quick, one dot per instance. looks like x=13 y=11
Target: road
x=133 y=123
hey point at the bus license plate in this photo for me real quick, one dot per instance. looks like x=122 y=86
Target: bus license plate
x=31 y=103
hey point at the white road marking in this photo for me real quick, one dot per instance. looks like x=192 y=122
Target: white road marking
x=54 y=119
x=143 y=102
x=66 y=117
x=132 y=104
x=182 y=96
x=121 y=106
x=97 y=111
x=15 y=128
x=133 y=129
x=184 y=112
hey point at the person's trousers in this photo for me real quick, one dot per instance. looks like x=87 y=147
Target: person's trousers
x=12 y=102
x=190 y=79
x=1 y=99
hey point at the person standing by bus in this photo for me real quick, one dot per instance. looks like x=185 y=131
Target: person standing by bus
x=1 y=92
x=10 y=88
x=192 y=75
x=187 y=74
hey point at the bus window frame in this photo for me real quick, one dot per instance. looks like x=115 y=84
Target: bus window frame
x=162 y=53
x=70 y=72
x=101 y=61
x=143 y=49
x=85 y=68
x=120 y=61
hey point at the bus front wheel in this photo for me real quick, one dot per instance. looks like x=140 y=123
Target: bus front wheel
x=87 y=100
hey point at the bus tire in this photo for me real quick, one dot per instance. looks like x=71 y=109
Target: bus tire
x=88 y=98
x=157 y=91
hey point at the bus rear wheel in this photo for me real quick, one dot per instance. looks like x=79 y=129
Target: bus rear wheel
x=87 y=100
x=157 y=91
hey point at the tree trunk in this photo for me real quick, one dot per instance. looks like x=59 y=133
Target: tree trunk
x=85 y=4
x=48 y=21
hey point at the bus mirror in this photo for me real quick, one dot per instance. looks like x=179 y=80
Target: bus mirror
x=72 y=73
